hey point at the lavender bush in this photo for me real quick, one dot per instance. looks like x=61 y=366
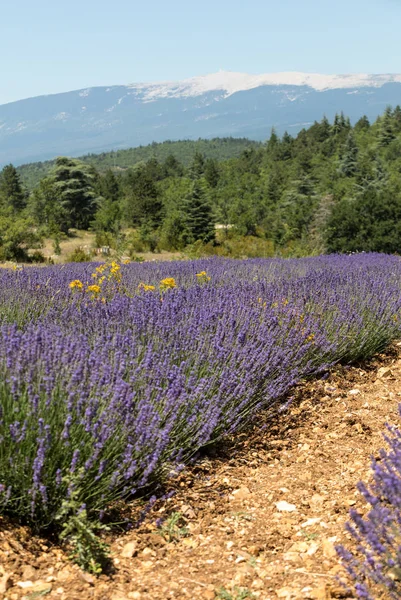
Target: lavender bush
x=103 y=393
x=376 y=563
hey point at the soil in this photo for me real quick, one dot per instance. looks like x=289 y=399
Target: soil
x=260 y=515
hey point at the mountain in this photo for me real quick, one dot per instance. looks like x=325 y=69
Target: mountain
x=222 y=104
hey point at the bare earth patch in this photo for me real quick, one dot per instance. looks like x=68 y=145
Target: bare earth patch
x=259 y=517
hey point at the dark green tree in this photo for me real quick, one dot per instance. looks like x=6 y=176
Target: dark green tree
x=172 y=167
x=143 y=202
x=349 y=160
x=12 y=195
x=197 y=168
x=386 y=129
x=212 y=174
x=198 y=214
x=370 y=222
x=108 y=186
x=74 y=183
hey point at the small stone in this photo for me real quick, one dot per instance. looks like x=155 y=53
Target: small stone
x=209 y=595
x=60 y=590
x=286 y=593
x=129 y=550
x=25 y=584
x=242 y=493
x=354 y=392
x=328 y=549
x=229 y=545
x=320 y=593
x=310 y=522
x=284 y=506
x=384 y=372
x=28 y=573
x=6 y=582
x=41 y=588
x=87 y=577
x=135 y=595
x=299 y=547
x=64 y=574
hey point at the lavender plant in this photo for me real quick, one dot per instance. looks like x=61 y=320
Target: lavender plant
x=375 y=565
x=103 y=392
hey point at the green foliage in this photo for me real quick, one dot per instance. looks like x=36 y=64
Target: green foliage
x=142 y=202
x=199 y=222
x=16 y=237
x=182 y=151
x=78 y=255
x=88 y=550
x=12 y=195
x=301 y=195
x=174 y=528
x=369 y=222
x=73 y=183
x=238 y=593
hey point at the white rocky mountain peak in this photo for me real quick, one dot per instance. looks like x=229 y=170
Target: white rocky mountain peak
x=230 y=82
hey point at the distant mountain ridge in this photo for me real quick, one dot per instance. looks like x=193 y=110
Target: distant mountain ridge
x=184 y=151
x=218 y=105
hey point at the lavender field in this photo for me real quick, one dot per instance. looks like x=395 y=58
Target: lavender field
x=114 y=377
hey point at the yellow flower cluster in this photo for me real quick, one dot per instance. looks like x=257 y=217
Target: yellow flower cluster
x=94 y=289
x=168 y=283
x=146 y=288
x=203 y=277
x=111 y=272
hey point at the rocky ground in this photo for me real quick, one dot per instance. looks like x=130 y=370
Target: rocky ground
x=257 y=518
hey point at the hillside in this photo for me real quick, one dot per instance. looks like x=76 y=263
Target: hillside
x=217 y=105
x=184 y=151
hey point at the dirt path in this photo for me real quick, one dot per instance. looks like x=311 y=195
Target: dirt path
x=261 y=518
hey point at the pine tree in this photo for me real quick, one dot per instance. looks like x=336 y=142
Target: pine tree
x=198 y=214
x=349 y=162
x=386 y=131
x=74 y=184
x=172 y=167
x=12 y=195
x=397 y=119
x=109 y=187
x=363 y=124
x=143 y=203
x=197 y=168
x=212 y=174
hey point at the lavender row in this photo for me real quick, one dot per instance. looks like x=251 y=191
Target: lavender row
x=110 y=394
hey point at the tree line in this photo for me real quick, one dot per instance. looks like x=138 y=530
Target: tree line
x=335 y=187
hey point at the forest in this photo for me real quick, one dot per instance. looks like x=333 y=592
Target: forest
x=335 y=187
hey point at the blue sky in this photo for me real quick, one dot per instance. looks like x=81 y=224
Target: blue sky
x=47 y=46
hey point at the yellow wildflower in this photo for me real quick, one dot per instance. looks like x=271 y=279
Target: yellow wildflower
x=126 y=262
x=76 y=284
x=95 y=289
x=168 y=283
x=203 y=276
x=146 y=288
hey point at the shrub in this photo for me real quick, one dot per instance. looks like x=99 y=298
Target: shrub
x=78 y=255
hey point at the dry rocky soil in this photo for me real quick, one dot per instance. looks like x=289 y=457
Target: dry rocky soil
x=259 y=516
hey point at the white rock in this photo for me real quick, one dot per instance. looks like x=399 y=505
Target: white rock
x=284 y=506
